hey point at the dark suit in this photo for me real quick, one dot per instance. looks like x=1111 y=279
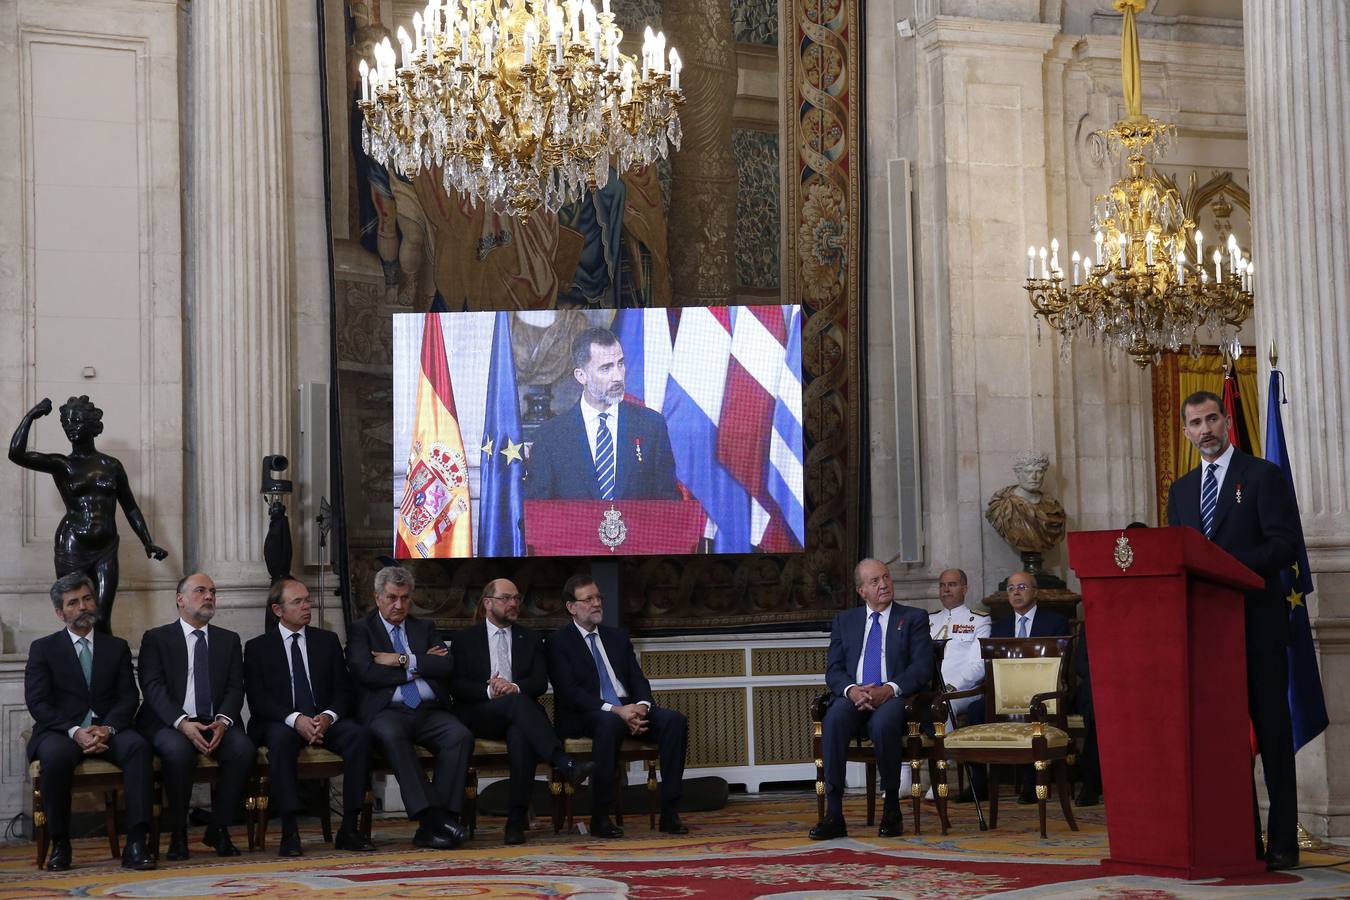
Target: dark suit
x=267 y=676
x=517 y=718
x=397 y=728
x=1263 y=533
x=578 y=711
x=562 y=468
x=163 y=671
x=58 y=699
x=908 y=652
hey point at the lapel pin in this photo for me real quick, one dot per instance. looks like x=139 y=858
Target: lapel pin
x=637 y=448
x=1239 y=493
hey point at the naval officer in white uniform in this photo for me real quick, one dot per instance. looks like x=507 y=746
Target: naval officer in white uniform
x=961 y=628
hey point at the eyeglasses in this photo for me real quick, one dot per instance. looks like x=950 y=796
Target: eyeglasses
x=505 y=598
x=1020 y=586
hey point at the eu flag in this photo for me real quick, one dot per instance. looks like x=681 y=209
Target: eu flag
x=1307 y=705
x=501 y=507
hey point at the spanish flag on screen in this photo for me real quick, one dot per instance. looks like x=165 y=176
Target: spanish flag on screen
x=433 y=515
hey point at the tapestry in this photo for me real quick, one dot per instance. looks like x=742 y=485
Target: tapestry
x=750 y=210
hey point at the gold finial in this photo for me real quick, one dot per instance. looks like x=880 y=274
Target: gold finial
x=1274 y=355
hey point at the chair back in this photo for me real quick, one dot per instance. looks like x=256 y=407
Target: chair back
x=1017 y=669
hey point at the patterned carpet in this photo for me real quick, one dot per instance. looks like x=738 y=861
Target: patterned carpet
x=755 y=847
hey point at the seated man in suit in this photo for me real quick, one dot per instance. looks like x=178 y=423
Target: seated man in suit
x=880 y=653
x=299 y=695
x=192 y=681
x=600 y=692
x=603 y=448
x=82 y=695
x=403 y=671
x=499 y=675
x=1027 y=620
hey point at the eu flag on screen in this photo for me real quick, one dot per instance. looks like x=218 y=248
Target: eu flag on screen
x=501 y=506
x=1307 y=705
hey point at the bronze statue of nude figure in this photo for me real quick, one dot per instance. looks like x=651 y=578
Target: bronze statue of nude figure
x=92 y=484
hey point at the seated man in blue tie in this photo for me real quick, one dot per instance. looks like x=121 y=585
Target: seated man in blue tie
x=403 y=672
x=300 y=695
x=880 y=653
x=600 y=692
x=1027 y=620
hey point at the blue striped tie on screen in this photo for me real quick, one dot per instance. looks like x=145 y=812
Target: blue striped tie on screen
x=1209 y=498
x=604 y=459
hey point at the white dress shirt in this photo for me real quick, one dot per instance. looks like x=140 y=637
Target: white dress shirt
x=590 y=417
x=75 y=642
x=881 y=623
x=190 y=688
x=286 y=641
x=1224 y=461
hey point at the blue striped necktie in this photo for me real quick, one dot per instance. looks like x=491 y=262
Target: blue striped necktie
x=1209 y=498
x=604 y=458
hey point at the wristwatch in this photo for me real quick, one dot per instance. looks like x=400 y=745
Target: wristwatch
x=403 y=660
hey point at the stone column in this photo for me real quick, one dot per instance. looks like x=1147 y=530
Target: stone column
x=703 y=173
x=238 y=311
x=1298 y=69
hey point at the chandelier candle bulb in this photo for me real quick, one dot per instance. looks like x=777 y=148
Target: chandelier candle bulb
x=364 y=68
x=1218 y=266
x=1054 y=254
x=1045 y=272
x=1233 y=252
x=675 y=66
x=1124 y=246
x=404 y=45
x=419 y=36
x=1076 y=259
x=1031 y=262
x=1199 y=247
x=1148 y=248
x=1181 y=269
x=1099 y=238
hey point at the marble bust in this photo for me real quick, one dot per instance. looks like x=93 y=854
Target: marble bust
x=1030 y=520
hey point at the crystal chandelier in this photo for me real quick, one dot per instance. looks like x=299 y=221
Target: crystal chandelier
x=1138 y=287
x=519 y=103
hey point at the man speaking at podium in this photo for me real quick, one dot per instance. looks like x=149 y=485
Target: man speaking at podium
x=603 y=448
x=1242 y=504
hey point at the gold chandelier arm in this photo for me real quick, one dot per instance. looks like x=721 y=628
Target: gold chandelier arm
x=1130 y=65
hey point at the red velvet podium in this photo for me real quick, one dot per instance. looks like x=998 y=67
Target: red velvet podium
x=619 y=527
x=1169 y=687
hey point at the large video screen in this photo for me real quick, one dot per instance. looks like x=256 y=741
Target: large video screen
x=598 y=432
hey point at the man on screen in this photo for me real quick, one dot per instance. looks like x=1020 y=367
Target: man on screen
x=603 y=448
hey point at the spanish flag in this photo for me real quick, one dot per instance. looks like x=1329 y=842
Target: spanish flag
x=433 y=516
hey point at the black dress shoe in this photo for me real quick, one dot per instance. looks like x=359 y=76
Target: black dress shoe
x=448 y=836
x=1277 y=860
x=574 y=772
x=290 y=844
x=58 y=860
x=210 y=835
x=223 y=845
x=892 y=825
x=351 y=839
x=604 y=828
x=515 y=833
x=671 y=824
x=135 y=855
x=827 y=829
x=178 y=846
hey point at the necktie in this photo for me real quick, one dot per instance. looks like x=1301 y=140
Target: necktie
x=1021 y=626
x=872 y=652
x=407 y=690
x=604 y=459
x=607 y=692
x=201 y=675
x=501 y=656
x=304 y=695
x=86 y=666
x=1209 y=498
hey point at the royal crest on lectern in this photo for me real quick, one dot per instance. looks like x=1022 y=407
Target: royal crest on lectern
x=612 y=531
x=1124 y=553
